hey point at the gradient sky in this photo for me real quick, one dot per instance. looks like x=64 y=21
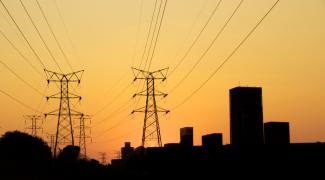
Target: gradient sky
x=285 y=56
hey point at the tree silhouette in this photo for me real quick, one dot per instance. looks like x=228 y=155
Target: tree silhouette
x=23 y=153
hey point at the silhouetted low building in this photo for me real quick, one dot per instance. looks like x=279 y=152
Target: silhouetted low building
x=212 y=141
x=276 y=133
x=127 y=150
x=186 y=134
x=171 y=145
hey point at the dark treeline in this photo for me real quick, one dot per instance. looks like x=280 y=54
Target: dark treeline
x=27 y=157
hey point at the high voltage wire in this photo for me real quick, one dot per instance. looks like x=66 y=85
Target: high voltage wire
x=67 y=32
x=40 y=35
x=228 y=57
x=20 y=53
x=153 y=34
x=120 y=136
x=119 y=109
x=148 y=35
x=39 y=104
x=191 y=29
x=19 y=102
x=20 y=78
x=196 y=38
x=53 y=34
x=161 y=20
x=23 y=35
x=153 y=38
x=120 y=122
x=117 y=125
x=147 y=39
x=137 y=33
x=209 y=47
x=116 y=83
x=113 y=100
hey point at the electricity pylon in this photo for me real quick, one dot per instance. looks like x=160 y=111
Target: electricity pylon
x=103 y=157
x=34 y=123
x=151 y=136
x=64 y=130
x=50 y=138
x=83 y=136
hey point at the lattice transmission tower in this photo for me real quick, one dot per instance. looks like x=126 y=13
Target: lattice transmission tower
x=64 y=131
x=151 y=136
x=102 y=157
x=84 y=134
x=33 y=123
x=50 y=141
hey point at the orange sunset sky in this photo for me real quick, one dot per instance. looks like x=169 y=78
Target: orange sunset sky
x=285 y=56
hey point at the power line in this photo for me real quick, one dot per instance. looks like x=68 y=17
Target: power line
x=148 y=35
x=154 y=48
x=197 y=38
x=20 y=53
x=147 y=39
x=19 y=102
x=122 y=135
x=228 y=57
x=40 y=35
x=123 y=120
x=191 y=29
x=23 y=35
x=67 y=32
x=153 y=34
x=116 y=83
x=137 y=32
x=39 y=104
x=20 y=78
x=53 y=34
x=209 y=47
x=113 y=100
x=119 y=109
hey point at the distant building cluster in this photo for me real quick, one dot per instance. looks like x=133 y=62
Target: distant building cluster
x=253 y=144
x=246 y=125
x=246 y=120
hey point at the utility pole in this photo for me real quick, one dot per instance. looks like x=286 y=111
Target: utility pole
x=151 y=136
x=103 y=157
x=34 y=123
x=64 y=131
x=83 y=134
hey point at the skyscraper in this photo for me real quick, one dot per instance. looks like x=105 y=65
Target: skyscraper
x=246 y=116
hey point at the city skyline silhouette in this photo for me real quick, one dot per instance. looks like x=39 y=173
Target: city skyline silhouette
x=209 y=47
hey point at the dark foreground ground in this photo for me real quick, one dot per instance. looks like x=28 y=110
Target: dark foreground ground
x=26 y=157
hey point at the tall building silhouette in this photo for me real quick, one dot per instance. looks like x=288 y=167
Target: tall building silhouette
x=276 y=133
x=246 y=116
x=186 y=134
